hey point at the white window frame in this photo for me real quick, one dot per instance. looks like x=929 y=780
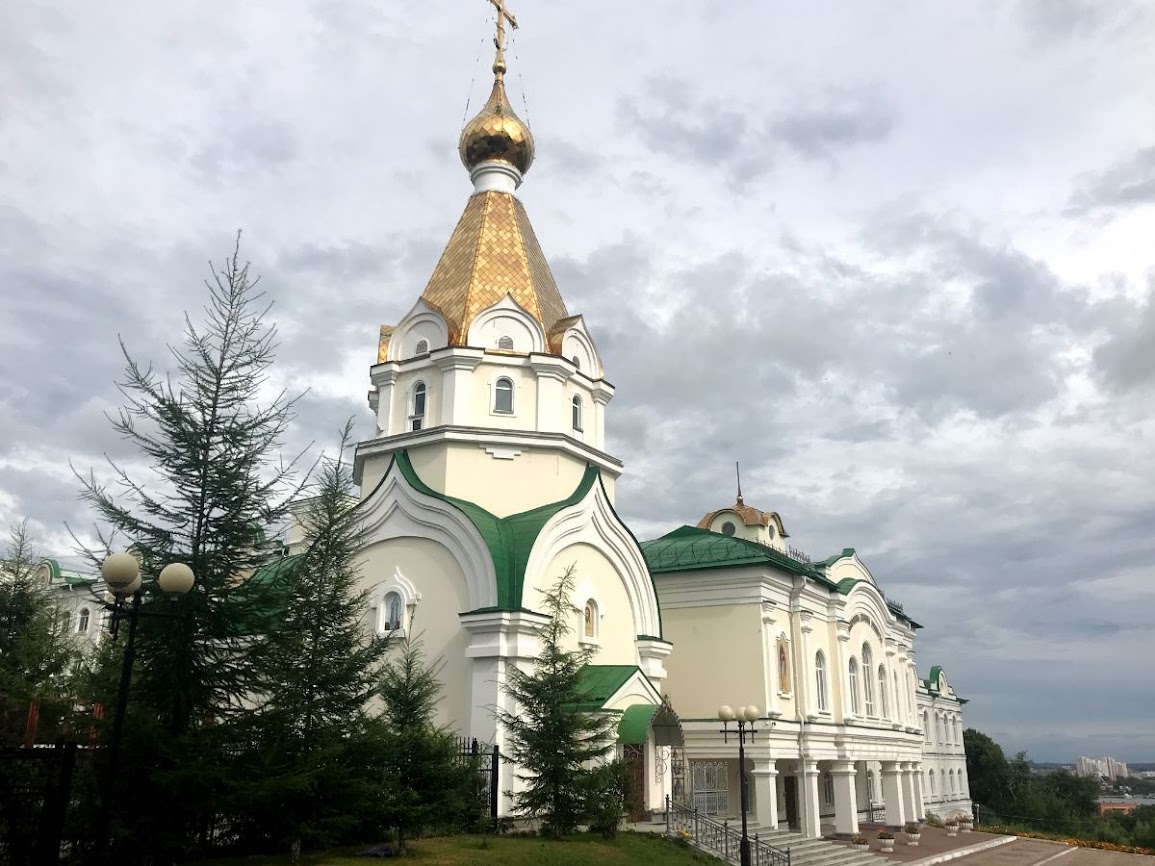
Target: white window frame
x=852 y=676
x=868 y=680
x=83 y=616
x=417 y=419
x=883 y=708
x=577 y=412
x=400 y=585
x=422 y=347
x=512 y=397
x=820 y=682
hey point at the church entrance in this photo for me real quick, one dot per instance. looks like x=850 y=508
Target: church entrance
x=790 y=789
x=634 y=757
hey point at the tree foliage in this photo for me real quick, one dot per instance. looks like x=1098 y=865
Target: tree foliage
x=36 y=655
x=552 y=739
x=212 y=481
x=426 y=782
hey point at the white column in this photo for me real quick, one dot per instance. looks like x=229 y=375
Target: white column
x=892 y=793
x=764 y=781
x=843 y=677
x=919 y=807
x=845 y=797
x=909 y=798
x=456 y=397
x=808 y=798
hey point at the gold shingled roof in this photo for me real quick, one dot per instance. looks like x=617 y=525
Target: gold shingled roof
x=749 y=516
x=492 y=253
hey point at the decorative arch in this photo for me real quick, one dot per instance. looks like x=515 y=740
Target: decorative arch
x=579 y=348
x=869 y=621
x=593 y=521
x=395 y=510
x=507 y=319
x=381 y=597
x=421 y=323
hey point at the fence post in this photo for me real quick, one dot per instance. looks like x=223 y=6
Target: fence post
x=494 y=786
x=726 y=836
x=667 y=814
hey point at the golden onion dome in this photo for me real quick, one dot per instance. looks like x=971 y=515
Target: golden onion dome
x=496 y=133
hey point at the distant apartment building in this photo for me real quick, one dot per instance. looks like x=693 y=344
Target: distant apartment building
x=1101 y=768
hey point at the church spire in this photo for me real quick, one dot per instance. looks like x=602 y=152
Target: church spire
x=496 y=146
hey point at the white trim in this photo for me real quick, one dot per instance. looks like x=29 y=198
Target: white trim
x=395 y=510
x=409 y=596
x=507 y=308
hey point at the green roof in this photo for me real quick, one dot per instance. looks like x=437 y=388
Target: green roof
x=634 y=726
x=56 y=574
x=689 y=548
x=509 y=539
x=599 y=683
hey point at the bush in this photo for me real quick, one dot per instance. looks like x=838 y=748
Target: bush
x=606 y=798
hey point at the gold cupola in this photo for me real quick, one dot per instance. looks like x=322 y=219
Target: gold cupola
x=496 y=134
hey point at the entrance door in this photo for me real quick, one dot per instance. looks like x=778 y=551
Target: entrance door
x=634 y=757
x=791 y=790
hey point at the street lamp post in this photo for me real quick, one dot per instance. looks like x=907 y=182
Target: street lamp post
x=121 y=573
x=745 y=716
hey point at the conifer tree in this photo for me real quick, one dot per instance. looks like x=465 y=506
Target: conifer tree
x=552 y=738
x=308 y=781
x=427 y=784
x=212 y=480
x=36 y=655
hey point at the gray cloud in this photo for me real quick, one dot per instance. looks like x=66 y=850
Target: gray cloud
x=1126 y=359
x=1128 y=184
x=820 y=127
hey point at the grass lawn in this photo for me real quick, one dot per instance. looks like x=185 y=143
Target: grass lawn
x=635 y=849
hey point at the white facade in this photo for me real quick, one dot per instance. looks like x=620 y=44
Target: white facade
x=946 y=789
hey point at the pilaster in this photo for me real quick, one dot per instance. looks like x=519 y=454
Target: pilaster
x=808 y=798
x=910 y=798
x=457 y=384
x=892 y=793
x=765 y=783
x=845 y=797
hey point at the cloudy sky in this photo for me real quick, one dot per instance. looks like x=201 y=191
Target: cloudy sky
x=898 y=258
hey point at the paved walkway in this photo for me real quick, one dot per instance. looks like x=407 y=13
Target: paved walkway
x=933 y=842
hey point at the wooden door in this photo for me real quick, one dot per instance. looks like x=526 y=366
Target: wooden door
x=634 y=758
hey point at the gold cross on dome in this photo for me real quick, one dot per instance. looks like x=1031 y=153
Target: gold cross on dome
x=503 y=15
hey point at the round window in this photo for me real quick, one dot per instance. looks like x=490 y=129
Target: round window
x=727 y=528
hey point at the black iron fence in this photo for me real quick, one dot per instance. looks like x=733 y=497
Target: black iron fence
x=875 y=812
x=719 y=838
x=35 y=793
x=487 y=760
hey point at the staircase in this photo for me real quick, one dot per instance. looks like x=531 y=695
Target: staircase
x=808 y=851
x=768 y=848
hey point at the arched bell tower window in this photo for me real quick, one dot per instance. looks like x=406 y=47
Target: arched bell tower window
x=505 y=343
x=577 y=362
x=82 y=620
x=417 y=409
x=577 y=413
x=503 y=396
x=422 y=347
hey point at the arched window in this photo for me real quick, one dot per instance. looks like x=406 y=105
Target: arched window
x=505 y=343
x=590 y=619
x=577 y=362
x=422 y=347
x=854 y=685
x=394 y=612
x=820 y=681
x=82 y=620
x=933 y=790
x=897 y=701
x=958 y=731
x=926 y=726
x=883 y=708
x=577 y=413
x=952 y=781
x=503 y=396
x=870 y=785
x=417 y=410
x=867 y=681
x=937 y=728
x=783 y=667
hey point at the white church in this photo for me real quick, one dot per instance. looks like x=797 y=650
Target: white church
x=488 y=477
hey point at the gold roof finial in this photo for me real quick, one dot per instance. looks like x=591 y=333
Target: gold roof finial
x=497 y=134
x=738 y=472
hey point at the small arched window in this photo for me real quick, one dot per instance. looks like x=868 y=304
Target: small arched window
x=577 y=414
x=820 y=681
x=867 y=681
x=926 y=726
x=590 y=619
x=417 y=410
x=503 y=396
x=937 y=728
x=897 y=700
x=394 y=612
x=505 y=343
x=577 y=362
x=933 y=790
x=422 y=347
x=853 y=685
x=952 y=781
x=883 y=709
x=82 y=620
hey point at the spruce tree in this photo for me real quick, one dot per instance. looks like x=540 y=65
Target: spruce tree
x=308 y=781
x=552 y=740
x=36 y=655
x=209 y=440
x=427 y=783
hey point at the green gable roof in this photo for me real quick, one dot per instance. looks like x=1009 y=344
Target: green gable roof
x=689 y=548
x=509 y=539
x=599 y=683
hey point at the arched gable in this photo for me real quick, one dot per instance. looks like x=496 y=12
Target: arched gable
x=849 y=566
x=507 y=319
x=395 y=509
x=423 y=322
x=593 y=521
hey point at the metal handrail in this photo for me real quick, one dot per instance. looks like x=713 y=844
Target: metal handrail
x=719 y=837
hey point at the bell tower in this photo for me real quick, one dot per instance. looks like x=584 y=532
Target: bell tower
x=494 y=390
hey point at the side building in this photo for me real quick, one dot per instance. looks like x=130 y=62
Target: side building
x=946 y=790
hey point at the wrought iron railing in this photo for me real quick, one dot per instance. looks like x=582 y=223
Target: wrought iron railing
x=719 y=838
